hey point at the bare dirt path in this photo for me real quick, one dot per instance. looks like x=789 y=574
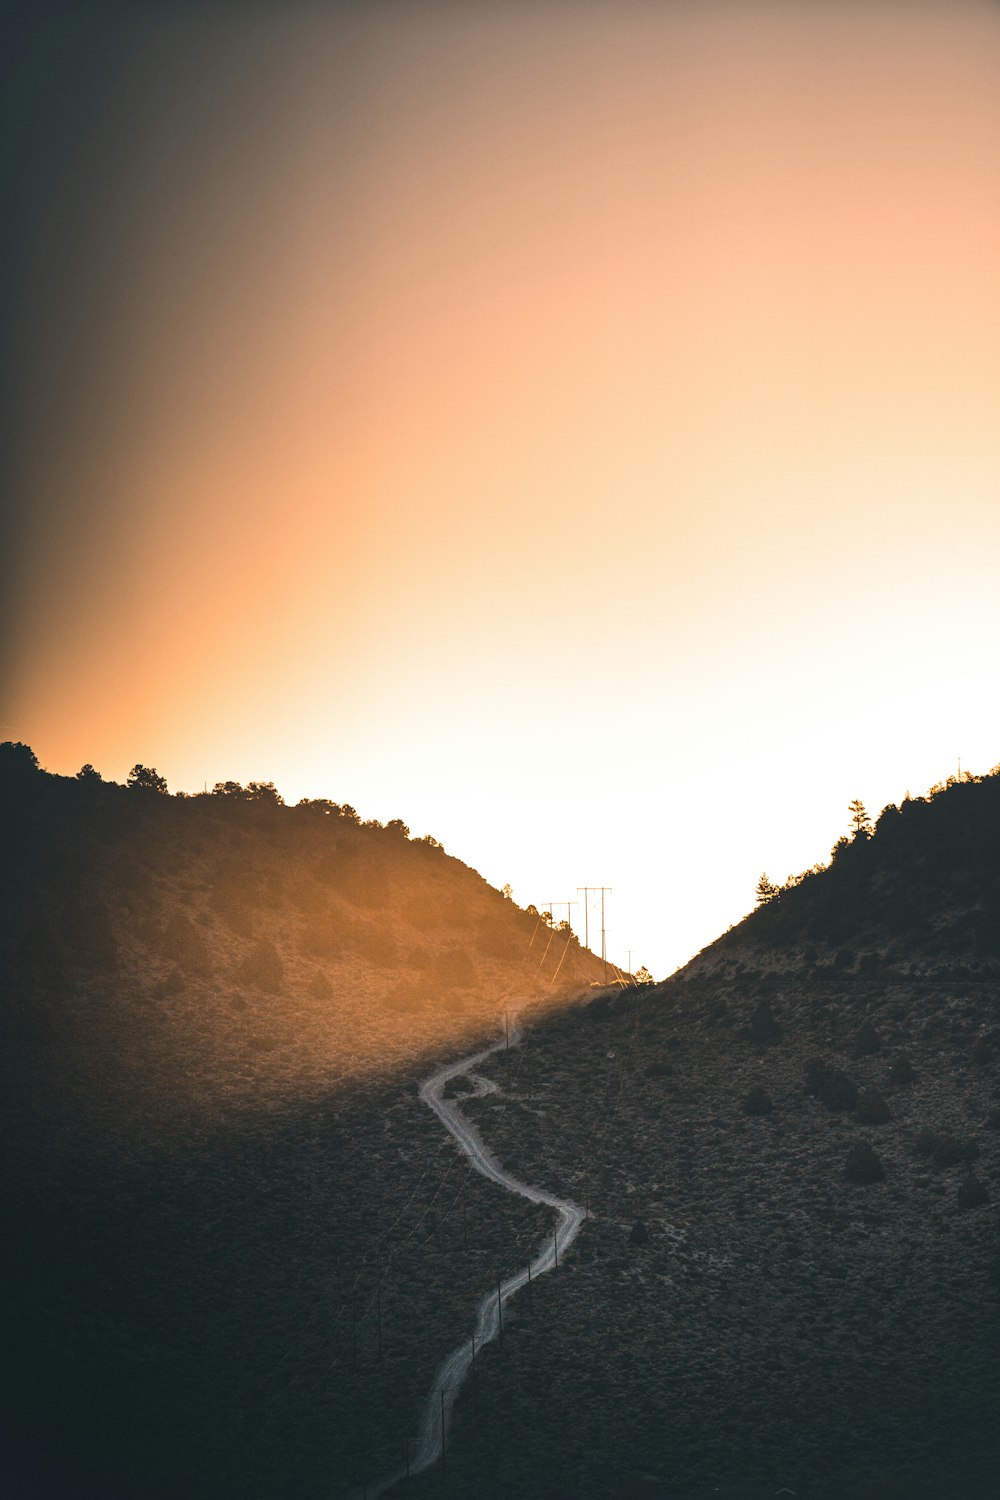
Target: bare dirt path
x=570 y=1216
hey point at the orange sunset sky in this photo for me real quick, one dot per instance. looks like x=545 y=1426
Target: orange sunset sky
x=571 y=428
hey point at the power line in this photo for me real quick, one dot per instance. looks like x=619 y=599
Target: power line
x=604 y=889
x=551 y=905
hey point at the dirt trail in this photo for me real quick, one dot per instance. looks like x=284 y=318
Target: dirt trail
x=455 y=1368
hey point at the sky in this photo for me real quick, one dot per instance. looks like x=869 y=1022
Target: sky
x=570 y=428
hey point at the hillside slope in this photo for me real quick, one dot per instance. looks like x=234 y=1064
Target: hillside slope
x=171 y=954
x=230 y=1223
x=791 y=1151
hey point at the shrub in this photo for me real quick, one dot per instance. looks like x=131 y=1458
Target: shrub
x=862 y=1165
x=971 y=1194
x=146 y=779
x=757 y=1102
x=945 y=1150
x=262 y=966
x=830 y=1085
x=639 y=1234
x=982 y=1052
x=658 y=1070
x=183 y=944
x=901 y=1072
x=867 y=1041
x=17 y=761
x=873 y=1110
x=319 y=987
x=993 y=1120
x=763 y=1026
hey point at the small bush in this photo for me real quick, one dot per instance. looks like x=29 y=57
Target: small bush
x=262 y=967
x=971 y=1194
x=901 y=1072
x=757 y=1102
x=763 y=1026
x=867 y=1041
x=319 y=987
x=830 y=1085
x=639 y=1234
x=183 y=944
x=945 y=1150
x=982 y=1052
x=993 y=1120
x=658 y=1070
x=862 y=1165
x=873 y=1110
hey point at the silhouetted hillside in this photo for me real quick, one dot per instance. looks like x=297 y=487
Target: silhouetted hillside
x=792 y=1153
x=921 y=892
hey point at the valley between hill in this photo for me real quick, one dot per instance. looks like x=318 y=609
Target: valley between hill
x=240 y=1244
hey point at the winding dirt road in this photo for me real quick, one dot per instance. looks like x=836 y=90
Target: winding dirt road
x=455 y=1368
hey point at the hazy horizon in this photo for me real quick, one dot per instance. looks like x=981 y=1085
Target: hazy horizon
x=571 y=430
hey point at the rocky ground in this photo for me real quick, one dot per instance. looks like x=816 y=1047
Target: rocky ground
x=740 y=1315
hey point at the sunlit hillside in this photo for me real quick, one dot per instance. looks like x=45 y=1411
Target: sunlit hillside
x=173 y=954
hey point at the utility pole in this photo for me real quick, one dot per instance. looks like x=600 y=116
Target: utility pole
x=586 y=913
x=604 y=946
x=551 y=905
x=587 y=889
